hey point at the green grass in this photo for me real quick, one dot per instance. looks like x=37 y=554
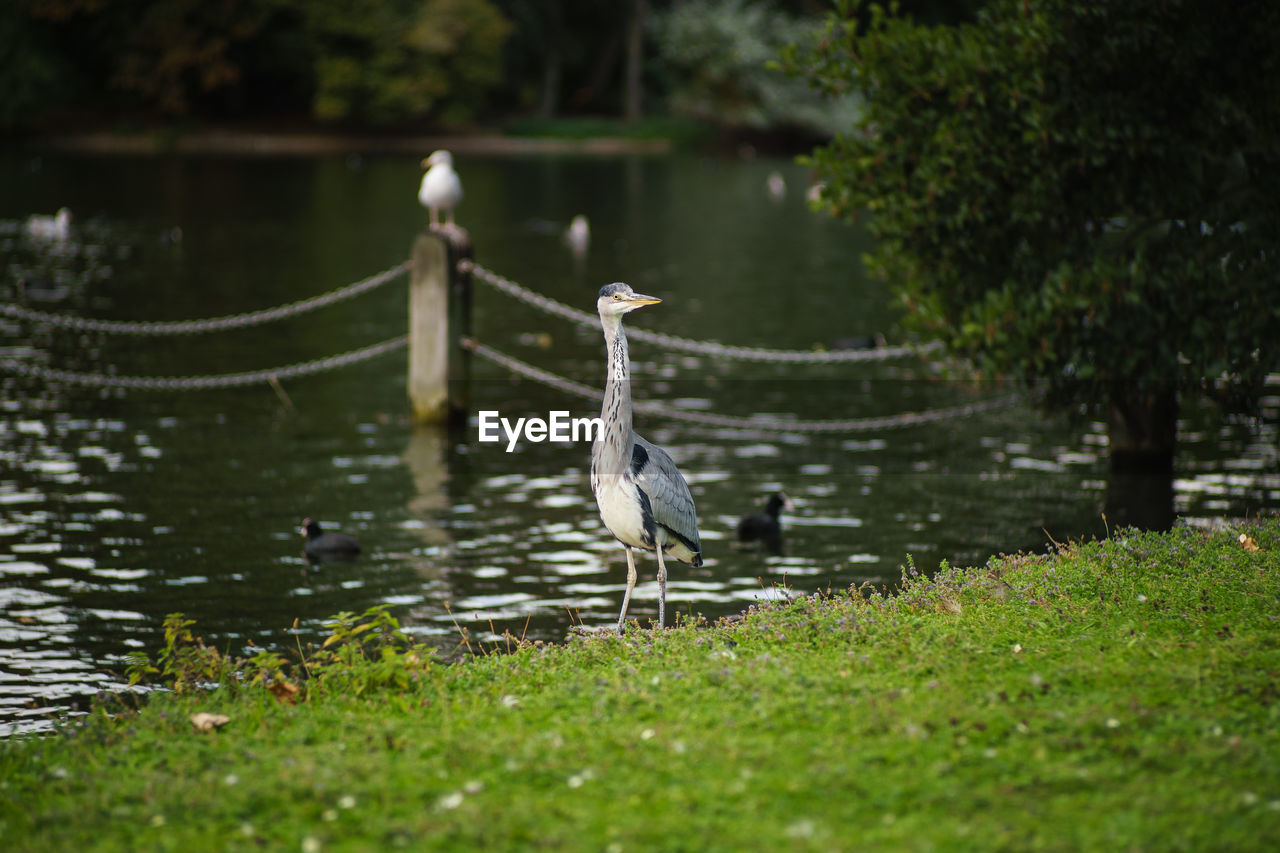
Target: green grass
x=1112 y=696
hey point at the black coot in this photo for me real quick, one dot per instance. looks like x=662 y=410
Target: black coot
x=328 y=546
x=765 y=526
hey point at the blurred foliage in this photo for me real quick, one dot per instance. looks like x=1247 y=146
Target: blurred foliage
x=1082 y=194
x=373 y=61
x=718 y=57
x=30 y=71
x=385 y=60
x=163 y=54
x=75 y=62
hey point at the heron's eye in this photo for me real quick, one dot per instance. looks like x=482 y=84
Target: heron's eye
x=617 y=296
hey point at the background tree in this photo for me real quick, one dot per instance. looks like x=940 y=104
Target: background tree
x=32 y=72
x=388 y=60
x=716 y=62
x=633 y=86
x=370 y=61
x=1081 y=193
x=163 y=55
x=392 y=62
x=566 y=56
x=537 y=53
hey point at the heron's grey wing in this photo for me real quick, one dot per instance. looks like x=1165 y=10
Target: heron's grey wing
x=669 y=497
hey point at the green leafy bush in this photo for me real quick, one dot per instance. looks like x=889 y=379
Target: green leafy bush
x=1085 y=195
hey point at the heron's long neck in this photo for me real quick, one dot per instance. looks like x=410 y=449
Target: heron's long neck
x=615 y=452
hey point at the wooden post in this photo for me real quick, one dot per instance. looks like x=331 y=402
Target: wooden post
x=439 y=316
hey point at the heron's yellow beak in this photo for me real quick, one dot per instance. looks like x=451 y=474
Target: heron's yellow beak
x=641 y=299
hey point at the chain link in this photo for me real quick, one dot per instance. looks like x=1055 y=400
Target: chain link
x=759 y=423
x=204 y=383
x=214 y=324
x=673 y=342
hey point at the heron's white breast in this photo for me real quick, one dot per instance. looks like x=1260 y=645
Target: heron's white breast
x=619 y=504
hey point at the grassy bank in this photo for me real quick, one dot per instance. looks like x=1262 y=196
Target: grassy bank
x=1117 y=695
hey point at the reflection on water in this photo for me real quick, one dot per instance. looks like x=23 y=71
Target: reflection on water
x=117 y=509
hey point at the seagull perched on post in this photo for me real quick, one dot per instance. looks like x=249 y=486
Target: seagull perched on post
x=643 y=498
x=441 y=190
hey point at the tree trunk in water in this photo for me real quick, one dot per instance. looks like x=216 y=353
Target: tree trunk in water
x=1142 y=428
x=635 y=60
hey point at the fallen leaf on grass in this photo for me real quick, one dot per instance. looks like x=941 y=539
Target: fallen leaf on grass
x=209 y=722
x=1249 y=543
x=284 y=691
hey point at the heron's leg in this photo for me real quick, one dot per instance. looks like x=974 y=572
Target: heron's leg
x=662 y=589
x=631 y=582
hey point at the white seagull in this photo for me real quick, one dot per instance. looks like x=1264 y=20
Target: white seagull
x=776 y=186
x=49 y=227
x=578 y=236
x=441 y=190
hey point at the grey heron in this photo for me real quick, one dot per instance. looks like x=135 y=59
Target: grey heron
x=440 y=190
x=323 y=546
x=643 y=498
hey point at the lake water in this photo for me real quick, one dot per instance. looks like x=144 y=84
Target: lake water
x=119 y=507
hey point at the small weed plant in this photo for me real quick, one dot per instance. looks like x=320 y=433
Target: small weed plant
x=363 y=652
